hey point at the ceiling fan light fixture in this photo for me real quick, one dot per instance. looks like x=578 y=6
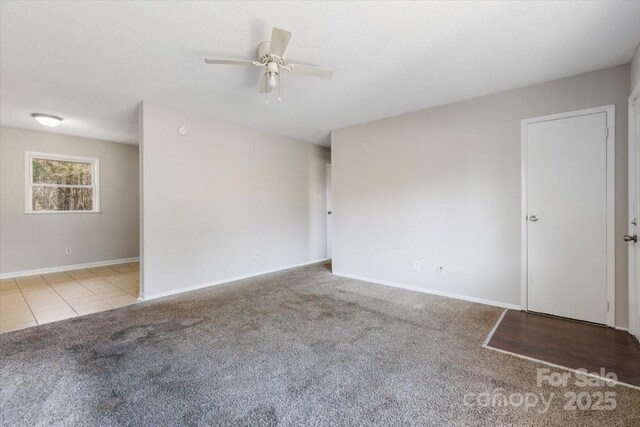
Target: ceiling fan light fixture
x=271 y=56
x=47 y=119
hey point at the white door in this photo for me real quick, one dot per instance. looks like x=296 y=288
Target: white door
x=634 y=218
x=329 y=216
x=566 y=199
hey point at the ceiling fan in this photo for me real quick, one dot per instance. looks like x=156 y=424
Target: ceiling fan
x=271 y=57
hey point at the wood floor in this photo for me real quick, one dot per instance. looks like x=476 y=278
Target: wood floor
x=569 y=343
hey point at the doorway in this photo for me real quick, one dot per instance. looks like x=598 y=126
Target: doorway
x=634 y=213
x=329 y=213
x=568 y=177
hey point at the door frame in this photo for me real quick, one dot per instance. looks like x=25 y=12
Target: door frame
x=610 y=111
x=634 y=291
x=328 y=208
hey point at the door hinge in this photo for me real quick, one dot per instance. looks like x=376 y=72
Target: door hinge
x=606 y=132
x=608 y=306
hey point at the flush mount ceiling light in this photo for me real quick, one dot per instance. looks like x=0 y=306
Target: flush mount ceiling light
x=47 y=119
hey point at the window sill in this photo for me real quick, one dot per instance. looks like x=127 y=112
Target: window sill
x=61 y=212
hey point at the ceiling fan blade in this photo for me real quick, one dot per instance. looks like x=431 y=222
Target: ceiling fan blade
x=311 y=71
x=279 y=42
x=264 y=87
x=229 y=61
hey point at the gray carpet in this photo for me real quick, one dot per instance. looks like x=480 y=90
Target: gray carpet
x=301 y=347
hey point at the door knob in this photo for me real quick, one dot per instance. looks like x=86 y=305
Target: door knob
x=533 y=218
x=633 y=238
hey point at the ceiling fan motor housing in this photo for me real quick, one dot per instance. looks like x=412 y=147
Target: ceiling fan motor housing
x=263 y=51
x=265 y=57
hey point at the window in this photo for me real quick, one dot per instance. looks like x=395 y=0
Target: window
x=60 y=183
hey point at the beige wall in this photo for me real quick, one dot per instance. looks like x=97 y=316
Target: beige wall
x=442 y=186
x=214 y=197
x=34 y=241
x=635 y=68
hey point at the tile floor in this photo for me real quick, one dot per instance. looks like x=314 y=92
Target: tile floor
x=35 y=300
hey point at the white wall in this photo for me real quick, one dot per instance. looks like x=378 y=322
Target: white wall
x=635 y=68
x=34 y=241
x=442 y=186
x=215 y=196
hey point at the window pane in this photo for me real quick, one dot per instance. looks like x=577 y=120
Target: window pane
x=62 y=199
x=61 y=172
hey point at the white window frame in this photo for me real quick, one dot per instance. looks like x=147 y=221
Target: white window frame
x=95 y=175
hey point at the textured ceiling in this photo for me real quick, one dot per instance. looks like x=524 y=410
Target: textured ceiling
x=92 y=62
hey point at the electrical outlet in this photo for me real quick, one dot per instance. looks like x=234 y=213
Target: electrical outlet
x=67 y=251
x=417 y=265
x=257 y=254
x=439 y=269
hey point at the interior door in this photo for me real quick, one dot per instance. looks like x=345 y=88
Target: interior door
x=329 y=215
x=634 y=219
x=566 y=185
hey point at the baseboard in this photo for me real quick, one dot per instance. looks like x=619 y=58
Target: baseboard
x=66 y=268
x=228 y=280
x=431 y=291
x=621 y=328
